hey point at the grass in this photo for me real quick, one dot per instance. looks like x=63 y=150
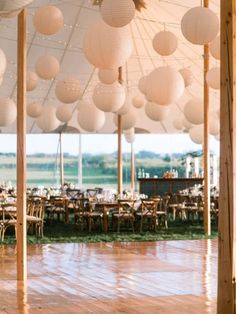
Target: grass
x=58 y=232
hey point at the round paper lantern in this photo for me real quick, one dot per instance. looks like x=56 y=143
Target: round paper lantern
x=200 y=25
x=187 y=76
x=214 y=124
x=178 y=123
x=48 y=20
x=215 y=48
x=196 y=134
x=3 y=62
x=107 y=47
x=138 y=101
x=8 y=111
x=31 y=81
x=117 y=13
x=156 y=112
x=142 y=84
x=128 y=120
x=34 y=109
x=130 y=137
x=64 y=113
x=90 y=118
x=213 y=78
x=165 y=85
x=47 y=67
x=68 y=90
x=165 y=43
x=186 y=124
x=194 y=111
x=48 y=121
x=125 y=107
x=108 y=76
x=109 y=98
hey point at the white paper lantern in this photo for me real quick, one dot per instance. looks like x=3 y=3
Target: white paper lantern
x=8 y=111
x=194 y=111
x=90 y=118
x=186 y=124
x=31 y=81
x=3 y=62
x=47 y=67
x=200 y=25
x=64 y=112
x=213 y=78
x=142 y=85
x=178 y=123
x=215 y=48
x=107 y=47
x=125 y=107
x=165 y=85
x=138 y=101
x=48 y=20
x=68 y=90
x=34 y=109
x=156 y=112
x=187 y=76
x=108 y=76
x=196 y=134
x=48 y=121
x=214 y=124
x=109 y=98
x=117 y=13
x=165 y=43
x=130 y=138
x=128 y=120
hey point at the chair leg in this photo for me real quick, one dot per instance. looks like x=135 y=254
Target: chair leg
x=132 y=225
x=141 y=224
x=90 y=224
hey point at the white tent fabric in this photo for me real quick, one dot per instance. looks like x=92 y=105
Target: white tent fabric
x=66 y=46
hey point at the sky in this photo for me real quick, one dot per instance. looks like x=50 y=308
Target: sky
x=100 y=143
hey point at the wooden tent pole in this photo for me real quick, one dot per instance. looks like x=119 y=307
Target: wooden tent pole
x=119 y=132
x=207 y=219
x=61 y=162
x=132 y=168
x=226 y=302
x=21 y=151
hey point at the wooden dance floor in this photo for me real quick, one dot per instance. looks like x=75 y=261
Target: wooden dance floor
x=176 y=277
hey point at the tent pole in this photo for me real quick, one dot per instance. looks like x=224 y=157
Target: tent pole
x=132 y=169
x=226 y=302
x=80 y=163
x=119 y=132
x=21 y=150
x=207 y=219
x=61 y=162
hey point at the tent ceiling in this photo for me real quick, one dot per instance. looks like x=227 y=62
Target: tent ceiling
x=67 y=47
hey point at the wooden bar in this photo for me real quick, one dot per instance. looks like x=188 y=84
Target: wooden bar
x=119 y=133
x=227 y=212
x=21 y=151
x=160 y=186
x=206 y=155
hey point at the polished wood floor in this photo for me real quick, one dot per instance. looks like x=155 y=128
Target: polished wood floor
x=154 y=277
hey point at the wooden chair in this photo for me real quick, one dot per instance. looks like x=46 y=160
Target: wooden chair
x=147 y=213
x=125 y=214
x=162 y=211
x=7 y=219
x=57 y=205
x=35 y=216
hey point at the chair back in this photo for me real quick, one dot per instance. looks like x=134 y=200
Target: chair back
x=126 y=206
x=149 y=206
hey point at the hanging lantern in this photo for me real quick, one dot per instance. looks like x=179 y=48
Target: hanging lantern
x=128 y=120
x=129 y=135
x=31 y=81
x=214 y=124
x=48 y=20
x=90 y=118
x=187 y=76
x=156 y=112
x=107 y=47
x=34 y=109
x=165 y=85
x=178 y=123
x=108 y=76
x=213 y=78
x=138 y=101
x=194 y=111
x=68 y=90
x=142 y=85
x=125 y=107
x=64 y=112
x=196 y=134
x=47 y=67
x=109 y=98
x=215 y=48
x=117 y=13
x=200 y=25
x=186 y=124
x=48 y=121
x=8 y=111
x=165 y=43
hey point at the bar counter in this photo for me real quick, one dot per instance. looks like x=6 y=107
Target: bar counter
x=160 y=186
